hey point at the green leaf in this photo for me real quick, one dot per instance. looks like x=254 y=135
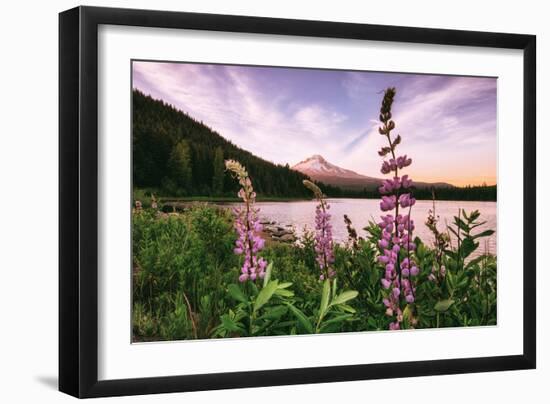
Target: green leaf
x=284 y=293
x=484 y=234
x=463 y=226
x=477 y=224
x=468 y=246
x=338 y=319
x=450 y=280
x=443 y=305
x=463 y=282
x=229 y=324
x=254 y=288
x=241 y=314
x=476 y=260
x=407 y=314
x=420 y=251
x=474 y=215
x=324 y=298
x=452 y=230
x=236 y=293
x=346 y=307
x=265 y=294
x=274 y=313
x=268 y=273
x=284 y=285
x=344 y=297
x=302 y=319
x=451 y=254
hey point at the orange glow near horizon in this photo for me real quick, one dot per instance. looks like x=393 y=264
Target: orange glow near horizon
x=460 y=182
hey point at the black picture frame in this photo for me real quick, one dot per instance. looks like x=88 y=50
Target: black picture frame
x=78 y=200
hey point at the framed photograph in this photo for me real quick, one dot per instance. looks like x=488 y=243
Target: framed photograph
x=250 y=201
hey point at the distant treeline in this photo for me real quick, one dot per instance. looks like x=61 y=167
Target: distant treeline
x=468 y=193
x=178 y=156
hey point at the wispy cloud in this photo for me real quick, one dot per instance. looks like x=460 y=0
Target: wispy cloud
x=449 y=127
x=285 y=115
x=317 y=121
x=356 y=85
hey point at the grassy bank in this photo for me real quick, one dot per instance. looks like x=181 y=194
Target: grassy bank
x=221 y=199
x=144 y=196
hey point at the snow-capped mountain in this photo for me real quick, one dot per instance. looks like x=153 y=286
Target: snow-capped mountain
x=319 y=169
x=316 y=165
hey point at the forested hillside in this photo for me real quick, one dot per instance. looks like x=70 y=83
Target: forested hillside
x=180 y=156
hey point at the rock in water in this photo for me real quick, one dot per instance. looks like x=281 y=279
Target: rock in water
x=287 y=238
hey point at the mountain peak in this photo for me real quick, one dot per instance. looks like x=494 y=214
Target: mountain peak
x=315 y=157
x=319 y=169
x=317 y=166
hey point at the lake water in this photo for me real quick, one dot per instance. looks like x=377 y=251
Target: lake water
x=360 y=211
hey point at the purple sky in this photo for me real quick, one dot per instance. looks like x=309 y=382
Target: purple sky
x=448 y=124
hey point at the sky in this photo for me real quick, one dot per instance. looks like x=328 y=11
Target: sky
x=284 y=115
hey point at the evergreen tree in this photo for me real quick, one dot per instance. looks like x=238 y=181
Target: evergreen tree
x=219 y=170
x=179 y=166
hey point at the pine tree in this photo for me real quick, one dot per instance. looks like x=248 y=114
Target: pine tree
x=217 y=178
x=179 y=166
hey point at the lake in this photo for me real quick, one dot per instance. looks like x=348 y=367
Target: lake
x=360 y=211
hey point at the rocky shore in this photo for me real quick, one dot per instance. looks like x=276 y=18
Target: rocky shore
x=278 y=232
x=272 y=230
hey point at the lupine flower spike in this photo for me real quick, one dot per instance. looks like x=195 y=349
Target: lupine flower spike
x=248 y=226
x=397 y=241
x=324 y=245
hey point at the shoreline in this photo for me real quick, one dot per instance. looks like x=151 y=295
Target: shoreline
x=281 y=199
x=273 y=230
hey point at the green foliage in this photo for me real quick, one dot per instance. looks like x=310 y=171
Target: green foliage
x=331 y=315
x=462 y=230
x=466 y=295
x=185 y=282
x=257 y=311
x=177 y=259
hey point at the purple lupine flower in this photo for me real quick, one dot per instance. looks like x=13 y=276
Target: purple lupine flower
x=324 y=245
x=248 y=227
x=403 y=161
x=406 y=182
x=389 y=186
x=385 y=168
x=395 y=325
x=406 y=200
x=396 y=244
x=388 y=203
